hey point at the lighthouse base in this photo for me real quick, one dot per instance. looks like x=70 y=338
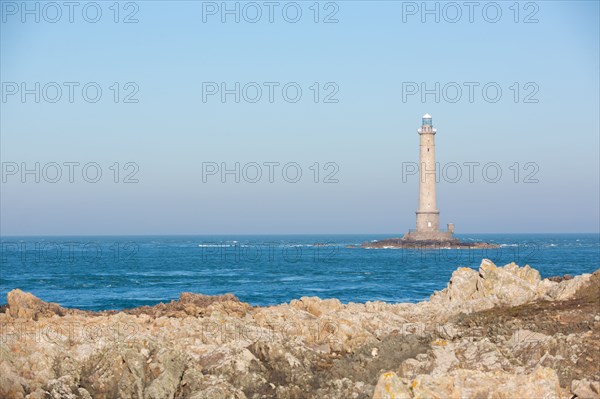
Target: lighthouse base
x=419 y=239
x=428 y=228
x=440 y=236
x=428 y=221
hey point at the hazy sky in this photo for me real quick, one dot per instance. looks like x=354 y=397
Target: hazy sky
x=160 y=116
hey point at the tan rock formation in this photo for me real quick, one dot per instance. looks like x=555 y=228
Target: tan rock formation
x=497 y=332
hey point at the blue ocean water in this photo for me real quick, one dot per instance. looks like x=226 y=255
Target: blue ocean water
x=119 y=272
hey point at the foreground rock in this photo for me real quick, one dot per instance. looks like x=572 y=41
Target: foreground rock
x=541 y=383
x=500 y=332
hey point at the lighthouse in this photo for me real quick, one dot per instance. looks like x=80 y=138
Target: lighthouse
x=427 y=235
x=428 y=216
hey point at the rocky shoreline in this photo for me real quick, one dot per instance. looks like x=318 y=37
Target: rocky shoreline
x=396 y=243
x=496 y=332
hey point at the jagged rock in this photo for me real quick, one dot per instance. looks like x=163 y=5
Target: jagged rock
x=169 y=366
x=542 y=383
x=470 y=291
x=65 y=387
x=585 y=389
x=223 y=390
x=558 y=279
x=41 y=394
x=511 y=285
x=23 y=305
x=12 y=386
x=497 y=331
x=567 y=288
x=317 y=306
x=390 y=386
x=190 y=304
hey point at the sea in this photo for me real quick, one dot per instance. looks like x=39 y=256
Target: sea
x=117 y=272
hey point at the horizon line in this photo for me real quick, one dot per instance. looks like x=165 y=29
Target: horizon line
x=267 y=234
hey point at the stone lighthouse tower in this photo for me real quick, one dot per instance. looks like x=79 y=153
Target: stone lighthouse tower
x=428 y=216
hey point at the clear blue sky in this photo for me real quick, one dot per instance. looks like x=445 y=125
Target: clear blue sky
x=370 y=54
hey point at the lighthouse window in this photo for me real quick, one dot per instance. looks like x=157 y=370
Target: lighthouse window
x=428 y=150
